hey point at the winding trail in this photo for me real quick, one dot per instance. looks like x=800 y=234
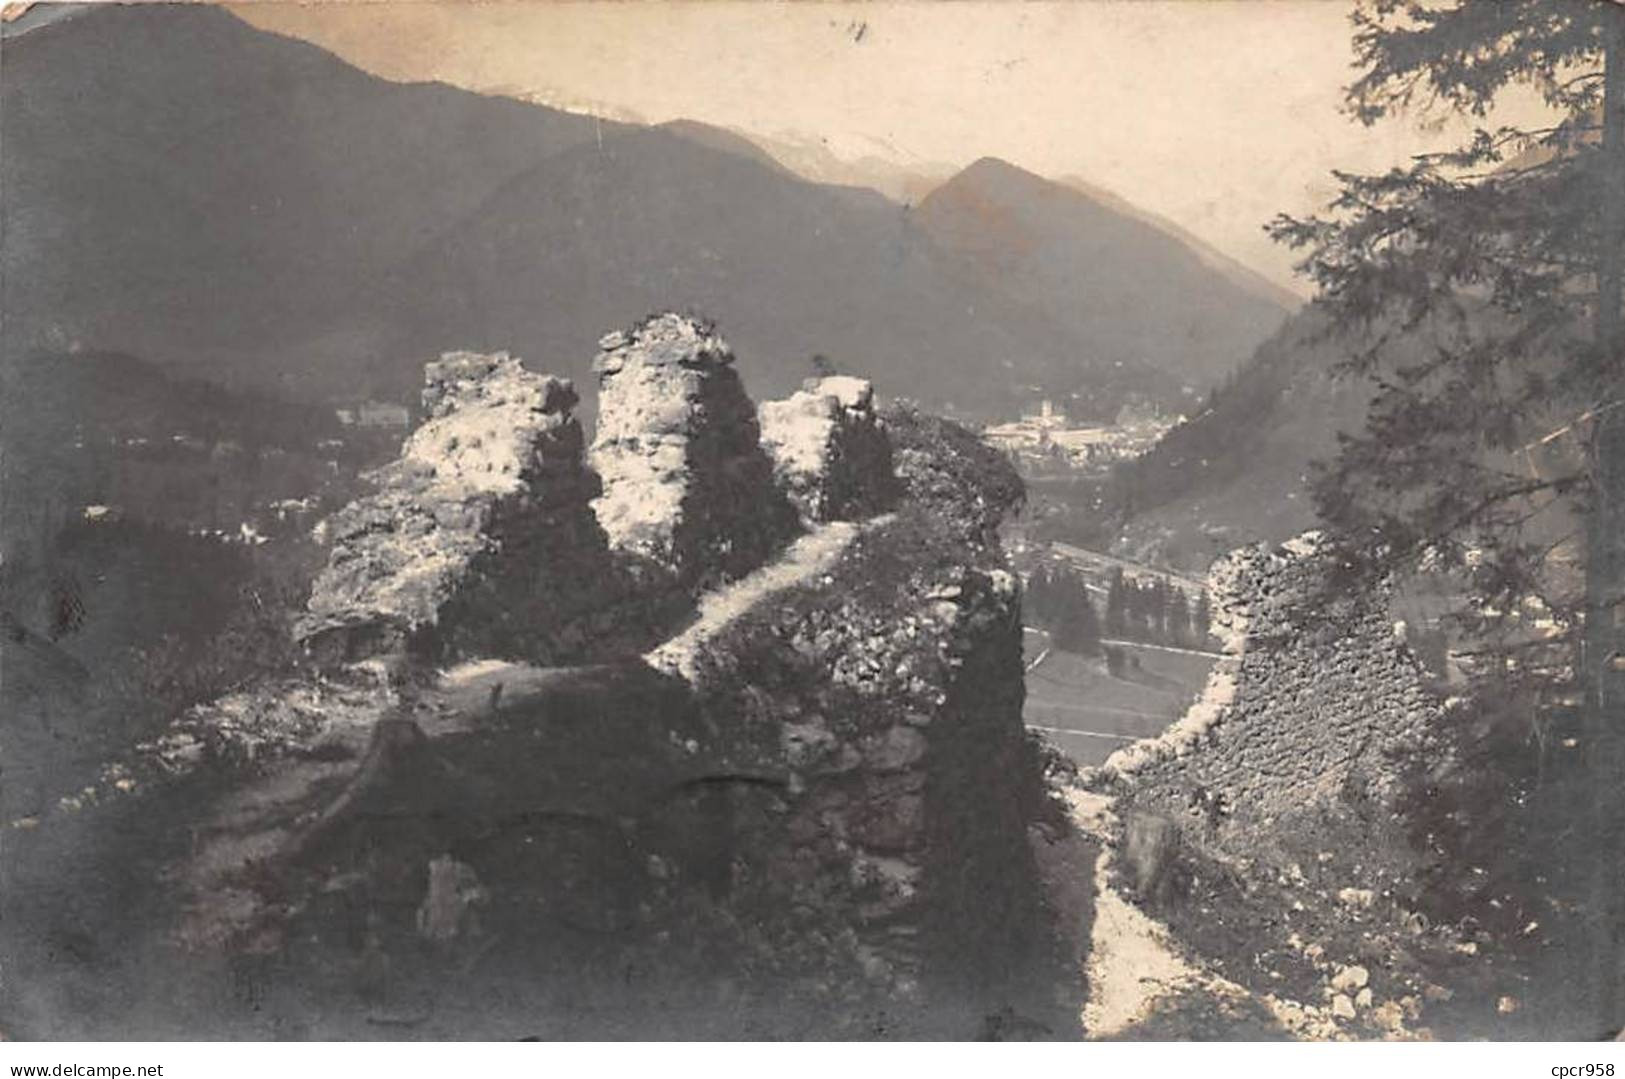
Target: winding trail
x=1136 y=969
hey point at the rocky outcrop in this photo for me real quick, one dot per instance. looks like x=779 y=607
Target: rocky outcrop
x=814 y=801
x=687 y=489
x=829 y=449
x=803 y=811
x=883 y=692
x=480 y=539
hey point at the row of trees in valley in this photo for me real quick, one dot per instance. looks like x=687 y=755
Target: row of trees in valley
x=1151 y=611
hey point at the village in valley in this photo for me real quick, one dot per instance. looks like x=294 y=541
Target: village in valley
x=1116 y=649
x=1045 y=441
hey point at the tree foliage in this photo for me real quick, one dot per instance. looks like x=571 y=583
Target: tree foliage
x=1468 y=285
x=1479 y=291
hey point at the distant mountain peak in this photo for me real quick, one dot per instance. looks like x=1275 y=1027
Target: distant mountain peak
x=989 y=165
x=722 y=138
x=1130 y=287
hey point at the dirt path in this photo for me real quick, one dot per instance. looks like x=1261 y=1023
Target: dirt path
x=1144 y=982
x=1138 y=975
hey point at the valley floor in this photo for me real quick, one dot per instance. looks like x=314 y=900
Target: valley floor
x=1089 y=713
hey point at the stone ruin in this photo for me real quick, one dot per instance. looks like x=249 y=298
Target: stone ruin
x=491 y=536
x=1295 y=793
x=687 y=486
x=816 y=826
x=1314 y=713
x=829 y=448
x=1305 y=797
x=479 y=539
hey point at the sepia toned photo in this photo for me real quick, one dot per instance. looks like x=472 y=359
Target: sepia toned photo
x=748 y=521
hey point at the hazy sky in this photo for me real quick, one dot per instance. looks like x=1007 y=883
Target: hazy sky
x=1215 y=113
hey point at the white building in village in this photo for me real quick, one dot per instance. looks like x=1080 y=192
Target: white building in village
x=374 y=414
x=1049 y=434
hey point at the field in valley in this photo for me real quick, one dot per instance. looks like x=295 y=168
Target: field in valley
x=1087 y=712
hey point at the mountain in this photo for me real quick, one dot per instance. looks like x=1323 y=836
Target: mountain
x=600 y=235
x=910 y=183
x=1243 y=277
x=1129 y=291
x=1237 y=470
x=183 y=187
x=811 y=159
x=907 y=186
x=180 y=186
x=725 y=139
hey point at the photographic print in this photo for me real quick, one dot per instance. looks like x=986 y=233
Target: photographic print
x=711 y=521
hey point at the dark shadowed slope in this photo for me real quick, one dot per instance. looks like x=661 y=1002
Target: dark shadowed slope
x=1244 y=277
x=1133 y=293
x=1236 y=472
x=182 y=186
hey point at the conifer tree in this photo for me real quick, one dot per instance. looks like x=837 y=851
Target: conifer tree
x=1077 y=629
x=1202 y=620
x=1116 y=604
x=1179 y=619
x=1481 y=288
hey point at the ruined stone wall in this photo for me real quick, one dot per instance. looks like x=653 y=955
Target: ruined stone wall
x=1290 y=824
x=687 y=489
x=804 y=814
x=1307 y=725
x=479 y=538
x=829 y=449
x=889 y=695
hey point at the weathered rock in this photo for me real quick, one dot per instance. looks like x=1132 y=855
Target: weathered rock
x=1361 y=898
x=829 y=449
x=687 y=487
x=1352 y=977
x=479 y=539
x=1389 y=1016
x=824 y=809
x=893 y=684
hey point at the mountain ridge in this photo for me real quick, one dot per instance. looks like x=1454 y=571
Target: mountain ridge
x=251 y=208
x=1134 y=292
